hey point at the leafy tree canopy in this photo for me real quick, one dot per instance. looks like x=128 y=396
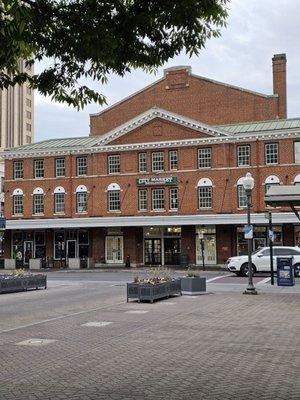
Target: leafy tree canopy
x=92 y=38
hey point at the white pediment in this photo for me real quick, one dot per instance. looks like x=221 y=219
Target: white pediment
x=153 y=113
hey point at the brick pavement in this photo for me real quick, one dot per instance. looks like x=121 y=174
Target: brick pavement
x=221 y=346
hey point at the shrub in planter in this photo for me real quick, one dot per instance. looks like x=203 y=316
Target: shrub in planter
x=192 y=283
x=21 y=280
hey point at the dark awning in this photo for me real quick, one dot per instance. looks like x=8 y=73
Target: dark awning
x=284 y=196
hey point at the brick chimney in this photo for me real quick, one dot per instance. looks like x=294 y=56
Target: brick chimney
x=279 y=83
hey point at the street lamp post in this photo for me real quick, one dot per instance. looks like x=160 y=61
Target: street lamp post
x=201 y=237
x=248 y=184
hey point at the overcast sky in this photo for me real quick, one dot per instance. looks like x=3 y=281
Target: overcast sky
x=256 y=30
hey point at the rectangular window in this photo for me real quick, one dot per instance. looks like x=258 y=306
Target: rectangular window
x=81 y=166
x=297 y=152
x=81 y=202
x=39 y=168
x=204 y=157
x=114 y=203
x=114 y=164
x=158 y=161
x=243 y=156
x=174 y=199
x=173 y=160
x=28 y=115
x=271 y=153
x=38 y=204
x=158 y=199
x=242 y=197
x=59 y=203
x=18 y=204
x=18 y=169
x=60 y=167
x=143 y=200
x=205 y=196
x=142 y=162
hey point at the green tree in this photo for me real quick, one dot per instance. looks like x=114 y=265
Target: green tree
x=92 y=38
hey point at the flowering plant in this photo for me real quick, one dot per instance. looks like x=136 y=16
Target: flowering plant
x=191 y=272
x=155 y=276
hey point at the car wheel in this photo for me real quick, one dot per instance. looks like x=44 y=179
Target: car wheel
x=297 y=269
x=245 y=269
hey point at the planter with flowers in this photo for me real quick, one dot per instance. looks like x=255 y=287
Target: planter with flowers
x=192 y=283
x=157 y=285
x=21 y=280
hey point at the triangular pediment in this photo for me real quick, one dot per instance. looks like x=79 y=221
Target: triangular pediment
x=148 y=118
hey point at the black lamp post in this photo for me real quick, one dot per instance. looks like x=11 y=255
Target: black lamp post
x=248 y=184
x=201 y=237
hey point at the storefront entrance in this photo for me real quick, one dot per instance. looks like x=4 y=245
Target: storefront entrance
x=71 y=248
x=114 y=249
x=209 y=245
x=172 y=251
x=28 y=251
x=153 y=251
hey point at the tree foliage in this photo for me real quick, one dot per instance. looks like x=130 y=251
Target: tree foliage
x=92 y=38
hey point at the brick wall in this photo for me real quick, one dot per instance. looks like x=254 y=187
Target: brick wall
x=223 y=174
x=199 y=98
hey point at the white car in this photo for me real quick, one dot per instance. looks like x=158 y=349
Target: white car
x=261 y=260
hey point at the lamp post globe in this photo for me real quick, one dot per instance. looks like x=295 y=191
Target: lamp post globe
x=248 y=184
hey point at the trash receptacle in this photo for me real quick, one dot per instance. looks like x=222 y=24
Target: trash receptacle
x=285 y=271
x=183 y=260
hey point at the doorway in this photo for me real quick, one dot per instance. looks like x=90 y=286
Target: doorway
x=28 y=251
x=210 y=256
x=172 y=248
x=152 y=251
x=71 y=248
x=114 y=249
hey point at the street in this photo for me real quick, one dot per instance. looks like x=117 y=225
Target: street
x=79 y=339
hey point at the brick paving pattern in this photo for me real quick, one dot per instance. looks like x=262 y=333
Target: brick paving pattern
x=221 y=346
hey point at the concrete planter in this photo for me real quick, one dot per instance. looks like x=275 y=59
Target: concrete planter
x=147 y=291
x=19 y=284
x=193 y=286
x=9 y=263
x=74 y=263
x=35 y=263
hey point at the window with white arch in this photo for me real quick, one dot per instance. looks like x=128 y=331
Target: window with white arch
x=271 y=180
x=241 y=194
x=59 y=200
x=38 y=201
x=18 y=206
x=114 y=197
x=297 y=180
x=204 y=193
x=81 y=199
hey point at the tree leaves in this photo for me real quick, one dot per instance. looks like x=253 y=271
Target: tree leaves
x=91 y=39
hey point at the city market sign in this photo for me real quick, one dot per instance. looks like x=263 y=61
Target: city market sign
x=157 y=180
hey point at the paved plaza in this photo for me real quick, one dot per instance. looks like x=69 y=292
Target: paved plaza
x=79 y=339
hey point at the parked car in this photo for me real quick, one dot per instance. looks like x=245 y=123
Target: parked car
x=261 y=260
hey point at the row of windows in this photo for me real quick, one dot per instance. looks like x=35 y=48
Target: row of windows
x=157 y=201
x=157 y=161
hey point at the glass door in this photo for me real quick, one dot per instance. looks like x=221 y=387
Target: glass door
x=172 y=251
x=210 y=256
x=71 y=248
x=152 y=251
x=28 y=251
x=114 y=249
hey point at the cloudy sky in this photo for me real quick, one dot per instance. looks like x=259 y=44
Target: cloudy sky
x=256 y=30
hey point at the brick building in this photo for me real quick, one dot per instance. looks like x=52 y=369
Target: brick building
x=158 y=168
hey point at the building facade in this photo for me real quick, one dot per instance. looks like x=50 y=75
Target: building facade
x=145 y=188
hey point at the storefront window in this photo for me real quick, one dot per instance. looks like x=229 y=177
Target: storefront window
x=83 y=243
x=59 y=245
x=153 y=231
x=260 y=238
x=17 y=247
x=172 y=231
x=40 y=249
x=297 y=235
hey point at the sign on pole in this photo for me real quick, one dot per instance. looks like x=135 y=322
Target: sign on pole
x=248 y=230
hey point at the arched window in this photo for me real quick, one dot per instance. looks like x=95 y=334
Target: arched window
x=241 y=194
x=38 y=201
x=113 y=197
x=204 y=193
x=59 y=200
x=18 y=201
x=297 y=179
x=271 y=180
x=81 y=199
